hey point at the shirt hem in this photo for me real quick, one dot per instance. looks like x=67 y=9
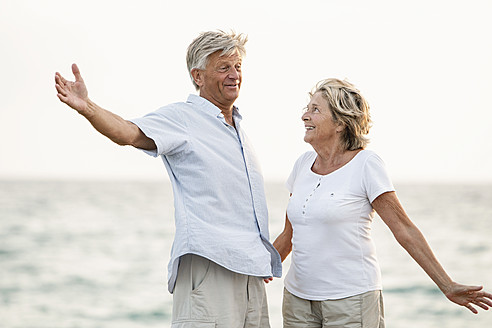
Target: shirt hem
x=174 y=271
x=334 y=296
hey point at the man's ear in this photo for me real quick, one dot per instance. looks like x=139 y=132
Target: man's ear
x=197 y=75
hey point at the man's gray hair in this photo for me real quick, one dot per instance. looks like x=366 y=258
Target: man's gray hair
x=209 y=42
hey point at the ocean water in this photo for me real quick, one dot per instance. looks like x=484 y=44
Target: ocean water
x=94 y=254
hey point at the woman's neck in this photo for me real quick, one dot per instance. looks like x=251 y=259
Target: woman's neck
x=330 y=159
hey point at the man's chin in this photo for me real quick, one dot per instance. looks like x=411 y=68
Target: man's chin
x=232 y=96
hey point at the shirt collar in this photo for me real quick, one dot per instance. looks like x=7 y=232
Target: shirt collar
x=209 y=108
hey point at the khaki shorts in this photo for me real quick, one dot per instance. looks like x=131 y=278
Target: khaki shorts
x=359 y=311
x=208 y=295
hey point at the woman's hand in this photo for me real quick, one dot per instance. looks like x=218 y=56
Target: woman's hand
x=409 y=236
x=469 y=295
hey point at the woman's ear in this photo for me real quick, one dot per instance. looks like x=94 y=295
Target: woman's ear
x=340 y=127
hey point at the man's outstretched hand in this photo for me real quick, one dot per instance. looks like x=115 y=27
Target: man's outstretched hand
x=74 y=94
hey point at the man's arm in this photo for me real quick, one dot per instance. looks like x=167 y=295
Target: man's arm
x=118 y=130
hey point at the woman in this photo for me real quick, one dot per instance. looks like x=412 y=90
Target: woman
x=334 y=279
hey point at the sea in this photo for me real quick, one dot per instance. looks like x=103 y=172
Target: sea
x=90 y=254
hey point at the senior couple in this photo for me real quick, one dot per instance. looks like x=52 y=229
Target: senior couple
x=221 y=255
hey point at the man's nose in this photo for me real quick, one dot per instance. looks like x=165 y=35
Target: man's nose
x=234 y=73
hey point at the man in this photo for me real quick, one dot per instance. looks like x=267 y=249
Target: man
x=221 y=252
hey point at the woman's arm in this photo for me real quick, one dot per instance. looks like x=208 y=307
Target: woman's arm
x=283 y=243
x=412 y=240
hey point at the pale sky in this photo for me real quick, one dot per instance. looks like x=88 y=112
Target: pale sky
x=424 y=66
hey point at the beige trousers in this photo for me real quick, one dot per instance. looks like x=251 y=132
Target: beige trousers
x=208 y=295
x=359 y=311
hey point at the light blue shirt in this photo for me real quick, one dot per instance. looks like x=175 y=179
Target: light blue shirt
x=219 y=199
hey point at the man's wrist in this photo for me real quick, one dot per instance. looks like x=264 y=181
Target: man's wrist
x=90 y=109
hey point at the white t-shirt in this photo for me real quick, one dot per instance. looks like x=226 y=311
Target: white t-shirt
x=333 y=255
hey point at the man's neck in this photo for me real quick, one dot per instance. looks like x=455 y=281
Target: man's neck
x=228 y=116
x=226 y=109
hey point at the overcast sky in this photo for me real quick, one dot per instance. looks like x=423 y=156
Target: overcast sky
x=424 y=66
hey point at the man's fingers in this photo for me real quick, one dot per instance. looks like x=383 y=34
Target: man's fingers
x=62 y=98
x=76 y=73
x=61 y=90
x=59 y=79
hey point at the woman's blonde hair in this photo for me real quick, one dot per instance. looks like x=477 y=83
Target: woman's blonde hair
x=209 y=42
x=349 y=108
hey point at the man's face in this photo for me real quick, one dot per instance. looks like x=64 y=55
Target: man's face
x=220 y=81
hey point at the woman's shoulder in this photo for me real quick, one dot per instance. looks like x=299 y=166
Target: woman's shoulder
x=306 y=157
x=366 y=154
x=366 y=158
x=370 y=160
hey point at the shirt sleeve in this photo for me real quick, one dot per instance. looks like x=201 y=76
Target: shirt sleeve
x=167 y=127
x=375 y=178
x=295 y=171
x=290 y=180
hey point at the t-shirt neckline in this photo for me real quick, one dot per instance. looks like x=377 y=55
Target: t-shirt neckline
x=339 y=169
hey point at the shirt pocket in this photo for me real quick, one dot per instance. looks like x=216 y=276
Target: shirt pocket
x=333 y=206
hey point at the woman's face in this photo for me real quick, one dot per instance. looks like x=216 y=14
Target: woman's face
x=318 y=121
